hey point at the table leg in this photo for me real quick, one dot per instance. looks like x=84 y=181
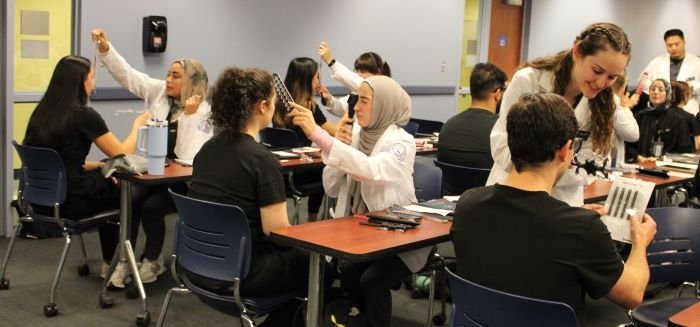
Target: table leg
x=315 y=294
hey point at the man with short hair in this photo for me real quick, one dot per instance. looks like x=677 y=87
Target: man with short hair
x=677 y=65
x=464 y=139
x=515 y=237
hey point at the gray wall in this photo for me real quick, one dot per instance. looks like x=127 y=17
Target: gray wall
x=555 y=24
x=413 y=36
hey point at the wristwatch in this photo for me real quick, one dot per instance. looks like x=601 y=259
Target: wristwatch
x=330 y=64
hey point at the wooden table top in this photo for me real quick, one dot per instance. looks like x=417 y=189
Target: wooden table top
x=345 y=238
x=689 y=317
x=599 y=189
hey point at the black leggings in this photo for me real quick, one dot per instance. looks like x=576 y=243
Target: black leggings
x=150 y=206
x=370 y=283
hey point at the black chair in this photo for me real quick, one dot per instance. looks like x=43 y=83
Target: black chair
x=213 y=240
x=427 y=127
x=44 y=178
x=426 y=181
x=476 y=305
x=673 y=256
x=283 y=139
x=411 y=128
x=457 y=179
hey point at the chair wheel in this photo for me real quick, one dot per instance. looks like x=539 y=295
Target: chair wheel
x=83 y=270
x=4 y=284
x=106 y=301
x=132 y=292
x=50 y=310
x=439 y=319
x=143 y=318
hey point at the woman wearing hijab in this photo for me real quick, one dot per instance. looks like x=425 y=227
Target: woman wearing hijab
x=370 y=168
x=179 y=99
x=658 y=126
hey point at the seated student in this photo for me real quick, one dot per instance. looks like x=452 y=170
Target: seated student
x=626 y=128
x=680 y=96
x=370 y=168
x=180 y=99
x=302 y=81
x=464 y=139
x=233 y=168
x=62 y=121
x=545 y=248
x=657 y=123
x=366 y=65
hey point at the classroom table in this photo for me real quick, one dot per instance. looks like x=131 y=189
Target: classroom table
x=174 y=173
x=346 y=239
x=689 y=317
x=599 y=189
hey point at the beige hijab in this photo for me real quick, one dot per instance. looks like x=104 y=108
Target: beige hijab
x=391 y=105
x=194 y=82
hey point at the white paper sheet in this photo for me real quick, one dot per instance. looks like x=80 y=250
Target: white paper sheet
x=627 y=196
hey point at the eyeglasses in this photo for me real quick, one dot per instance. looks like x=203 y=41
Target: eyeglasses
x=592 y=163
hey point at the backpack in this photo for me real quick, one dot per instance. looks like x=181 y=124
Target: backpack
x=342 y=311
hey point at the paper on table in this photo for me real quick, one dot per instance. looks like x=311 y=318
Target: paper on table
x=419 y=208
x=627 y=197
x=184 y=162
x=451 y=198
x=285 y=154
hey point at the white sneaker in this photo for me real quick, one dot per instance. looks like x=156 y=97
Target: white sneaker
x=119 y=277
x=150 y=270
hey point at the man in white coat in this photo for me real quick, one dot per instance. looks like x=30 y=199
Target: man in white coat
x=676 y=65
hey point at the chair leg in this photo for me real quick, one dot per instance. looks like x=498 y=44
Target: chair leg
x=431 y=297
x=5 y=282
x=166 y=303
x=50 y=309
x=246 y=321
x=297 y=204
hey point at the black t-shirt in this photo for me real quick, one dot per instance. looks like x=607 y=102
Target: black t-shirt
x=464 y=139
x=87 y=192
x=232 y=168
x=689 y=119
x=531 y=244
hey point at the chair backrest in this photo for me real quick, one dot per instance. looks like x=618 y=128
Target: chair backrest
x=457 y=179
x=278 y=138
x=411 y=128
x=476 y=305
x=427 y=127
x=43 y=175
x=674 y=255
x=427 y=181
x=213 y=239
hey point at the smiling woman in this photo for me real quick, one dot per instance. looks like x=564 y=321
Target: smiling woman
x=582 y=74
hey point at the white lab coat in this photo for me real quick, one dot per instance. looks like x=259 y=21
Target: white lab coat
x=386 y=177
x=659 y=67
x=529 y=80
x=626 y=130
x=351 y=80
x=192 y=130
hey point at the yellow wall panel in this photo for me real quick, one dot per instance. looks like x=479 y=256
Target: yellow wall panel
x=34 y=74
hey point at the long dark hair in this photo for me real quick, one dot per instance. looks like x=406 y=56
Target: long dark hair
x=299 y=78
x=596 y=37
x=65 y=94
x=372 y=63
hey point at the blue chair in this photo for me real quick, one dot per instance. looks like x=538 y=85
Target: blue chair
x=411 y=128
x=457 y=179
x=283 y=139
x=213 y=240
x=44 y=184
x=427 y=127
x=426 y=181
x=476 y=305
x=673 y=256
